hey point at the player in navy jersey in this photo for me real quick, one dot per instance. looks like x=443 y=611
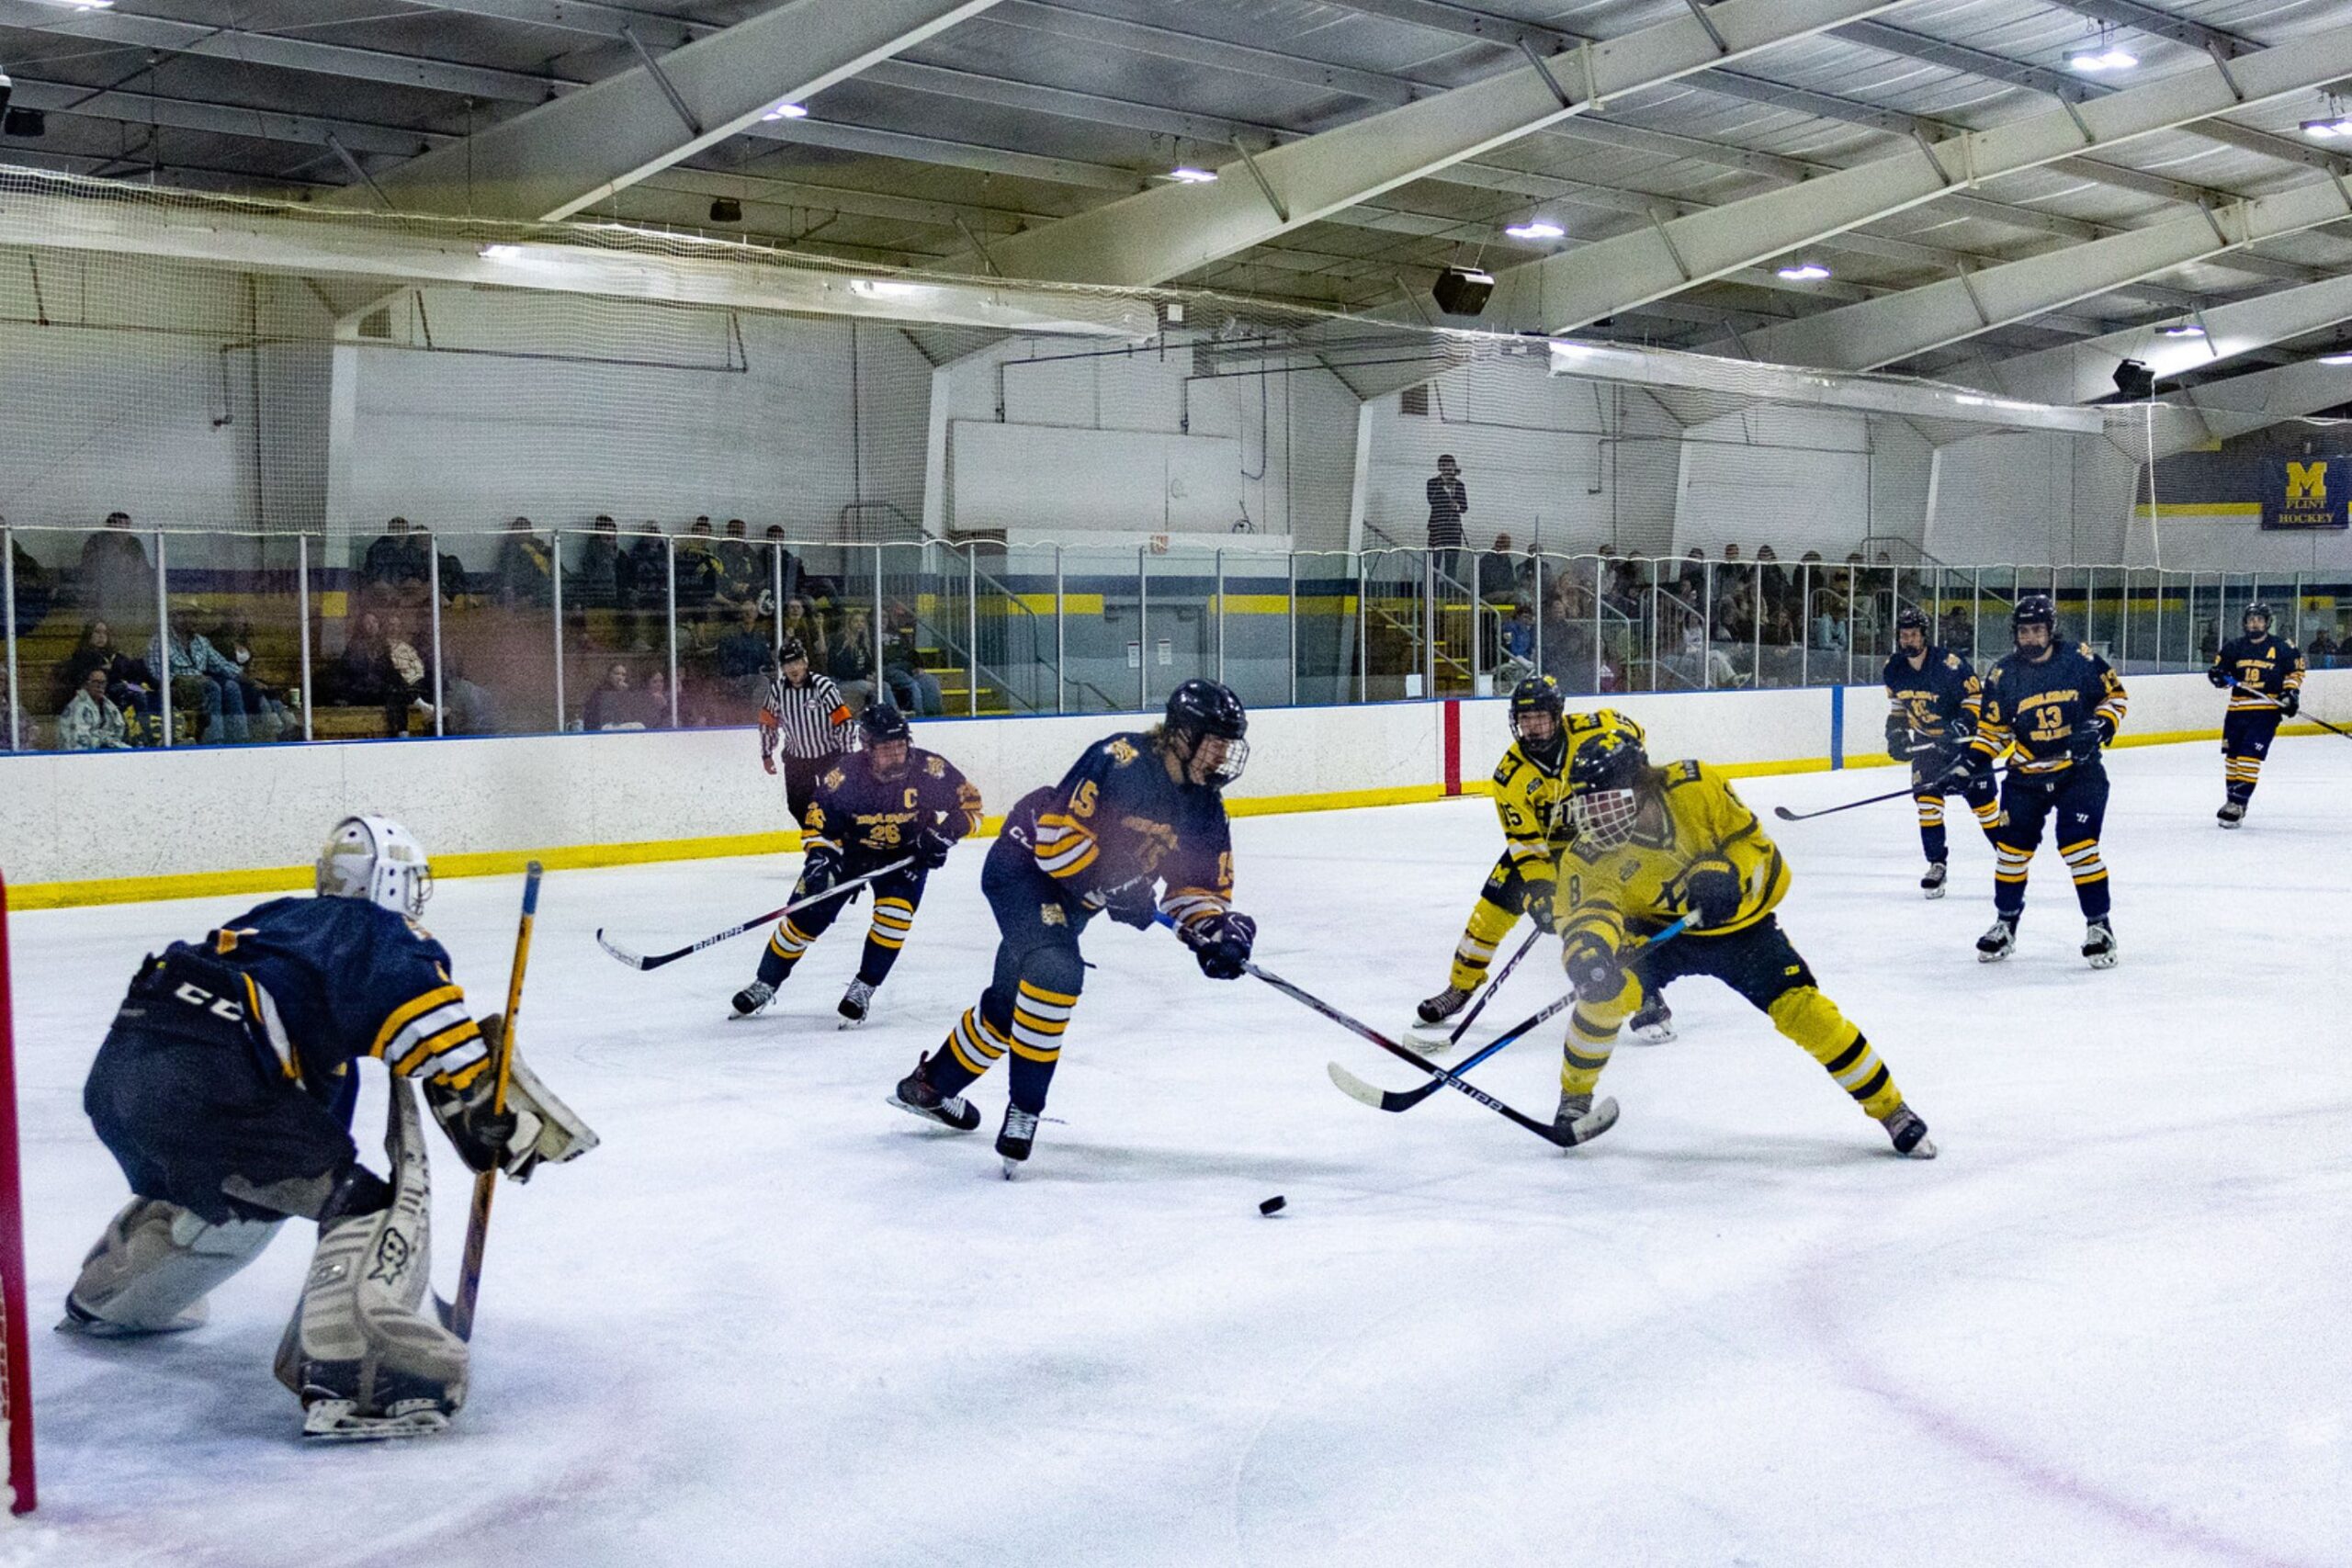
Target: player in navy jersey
x=2264 y=675
x=225 y=1091
x=890 y=802
x=1137 y=811
x=1933 y=699
x=2058 y=706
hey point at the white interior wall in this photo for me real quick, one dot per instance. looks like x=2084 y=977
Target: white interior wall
x=1795 y=479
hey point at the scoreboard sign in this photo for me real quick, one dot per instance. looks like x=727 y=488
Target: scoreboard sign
x=2307 y=493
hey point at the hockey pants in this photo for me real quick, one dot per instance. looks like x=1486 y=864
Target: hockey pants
x=1978 y=788
x=896 y=897
x=1038 y=976
x=1759 y=962
x=2246 y=734
x=2074 y=804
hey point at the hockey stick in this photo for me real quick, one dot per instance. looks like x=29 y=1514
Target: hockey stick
x=754 y=923
x=461 y=1311
x=2274 y=701
x=1493 y=986
x=1355 y=1087
x=1599 y=1121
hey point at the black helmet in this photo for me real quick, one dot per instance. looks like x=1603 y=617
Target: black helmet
x=788 y=650
x=1912 y=619
x=1540 y=693
x=1602 y=782
x=2257 y=608
x=882 y=722
x=2032 y=610
x=1199 y=709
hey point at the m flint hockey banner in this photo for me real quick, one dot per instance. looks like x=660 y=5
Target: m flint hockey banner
x=2306 y=492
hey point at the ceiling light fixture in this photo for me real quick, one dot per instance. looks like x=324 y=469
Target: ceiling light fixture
x=2341 y=358
x=1186 y=174
x=1536 y=229
x=1804 y=272
x=786 y=110
x=2184 y=329
x=2094 y=58
x=502 y=252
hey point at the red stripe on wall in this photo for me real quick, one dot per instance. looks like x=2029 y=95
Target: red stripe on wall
x=1453 y=747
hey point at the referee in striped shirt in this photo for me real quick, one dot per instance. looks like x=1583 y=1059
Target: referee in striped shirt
x=804 y=717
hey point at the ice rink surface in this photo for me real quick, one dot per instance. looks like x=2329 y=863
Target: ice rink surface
x=774 y=1321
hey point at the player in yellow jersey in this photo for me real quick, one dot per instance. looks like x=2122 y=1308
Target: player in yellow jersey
x=1530 y=783
x=1651 y=845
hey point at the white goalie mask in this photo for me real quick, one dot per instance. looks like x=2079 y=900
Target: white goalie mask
x=377 y=858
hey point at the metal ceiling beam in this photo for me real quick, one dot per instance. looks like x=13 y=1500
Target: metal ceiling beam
x=1171 y=229
x=1602 y=279
x=979 y=157
x=223 y=120
x=2240 y=405
x=582 y=18
x=552 y=161
x=2082 y=372
x=1864 y=337
x=2163 y=23
x=1167 y=43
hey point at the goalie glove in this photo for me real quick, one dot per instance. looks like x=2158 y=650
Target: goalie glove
x=535 y=1128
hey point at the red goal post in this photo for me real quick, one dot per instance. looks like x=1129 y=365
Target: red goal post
x=16 y=1373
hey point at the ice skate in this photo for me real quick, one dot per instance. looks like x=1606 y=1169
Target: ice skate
x=855 y=1003
x=915 y=1094
x=2232 y=812
x=1016 y=1137
x=1431 y=1018
x=2099 y=943
x=1654 y=1025
x=1998 y=941
x=1931 y=886
x=753 y=997
x=1907 y=1131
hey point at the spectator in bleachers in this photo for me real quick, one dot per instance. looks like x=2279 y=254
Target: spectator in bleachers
x=33 y=593
x=399 y=564
x=792 y=572
x=851 y=664
x=596 y=585
x=524 y=573
x=410 y=688
x=91 y=722
x=1448 y=501
x=203 y=679
x=1960 y=631
x=643 y=584
x=1498 y=576
x=272 y=719
x=117 y=583
x=800 y=622
x=656 y=706
x=364 y=670
x=916 y=687
x=698 y=578
x=129 y=683
x=743 y=663
x=618 y=704
x=743 y=572
x=2323 y=649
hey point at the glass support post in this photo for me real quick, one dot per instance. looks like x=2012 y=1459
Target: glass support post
x=1363 y=660
x=302 y=611
x=1430 y=576
x=164 y=644
x=1804 y=623
x=1061 y=640
x=1220 y=617
x=432 y=586
x=669 y=594
x=8 y=614
x=1706 y=626
x=1143 y=631
x=972 y=631
x=880 y=674
x=1293 y=628
x=775 y=595
x=554 y=582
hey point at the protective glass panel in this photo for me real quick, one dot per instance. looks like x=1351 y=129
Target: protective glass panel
x=83 y=601
x=233 y=640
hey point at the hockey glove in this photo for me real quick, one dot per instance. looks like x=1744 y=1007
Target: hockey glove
x=820 y=870
x=931 y=847
x=1713 y=893
x=2221 y=679
x=1536 y=905
x=1594 y=973
x=1898 y=740
x=1222 y=943
x=535 y=1128
x=2289 y=704
x=1135 y=904
x=2090 y=738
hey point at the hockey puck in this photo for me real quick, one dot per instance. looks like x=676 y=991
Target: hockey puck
x=1271 y=1205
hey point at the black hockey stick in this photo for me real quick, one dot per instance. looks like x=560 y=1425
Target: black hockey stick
x=1599 y=1121
x=1493 y=986
x=2274 y=701
x=1355 y=1087
x=754 y=923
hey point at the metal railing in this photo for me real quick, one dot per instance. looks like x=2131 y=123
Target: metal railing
x=223 y=638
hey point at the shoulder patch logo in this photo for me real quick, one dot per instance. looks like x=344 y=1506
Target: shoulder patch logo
x=1051 y=915
x=833 y=778
x=1951 y=660
x=1123 y=753
x=936 y=767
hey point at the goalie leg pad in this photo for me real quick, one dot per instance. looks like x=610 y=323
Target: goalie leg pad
x=365 y=1354
x=154 y=1265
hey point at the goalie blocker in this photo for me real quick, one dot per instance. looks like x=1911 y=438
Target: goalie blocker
x=225 y=1130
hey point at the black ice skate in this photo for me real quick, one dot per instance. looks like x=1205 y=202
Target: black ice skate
x=2232 y=812
x=2099 y=943
x=914 y=1094
x=1907 y=1131
x=1932 y=884
x=855 y=1003
x=1998 y=941
x=1654 y=1025
x=753 y=997
x=1441 y=1006
x=1016 y=1138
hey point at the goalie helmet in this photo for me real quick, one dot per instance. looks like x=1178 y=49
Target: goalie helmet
x=376 y=859
x=1604 y=783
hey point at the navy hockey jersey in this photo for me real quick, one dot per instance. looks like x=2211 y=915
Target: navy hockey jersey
x=870 y=821
x=2045 y=708
x=1940 y=698
x=1119 y=818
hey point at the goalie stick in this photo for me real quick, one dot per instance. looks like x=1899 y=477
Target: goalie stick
x=461 y=1311
x=1380 y=1098
x=1600 y=1120
x=635 y=962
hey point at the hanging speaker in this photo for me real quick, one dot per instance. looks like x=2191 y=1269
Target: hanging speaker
x=1463 y=290
x=2134 y=382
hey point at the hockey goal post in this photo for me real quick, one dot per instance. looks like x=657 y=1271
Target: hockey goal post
x=16 y=1374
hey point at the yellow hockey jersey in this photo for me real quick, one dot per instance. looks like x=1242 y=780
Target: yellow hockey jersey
x=1637 y=887
x=1530 y=798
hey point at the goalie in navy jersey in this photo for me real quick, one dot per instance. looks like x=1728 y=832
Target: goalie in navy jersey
x=1137 y=811
x=225 y=1091
x=1933 y=703
x=889 y=802
x=2060 y=707
x=2264 y=675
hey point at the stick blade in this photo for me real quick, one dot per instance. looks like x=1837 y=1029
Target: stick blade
x=1590 y=1126
x=1354 y=1087
x=1785 y=814
x=622 y=953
